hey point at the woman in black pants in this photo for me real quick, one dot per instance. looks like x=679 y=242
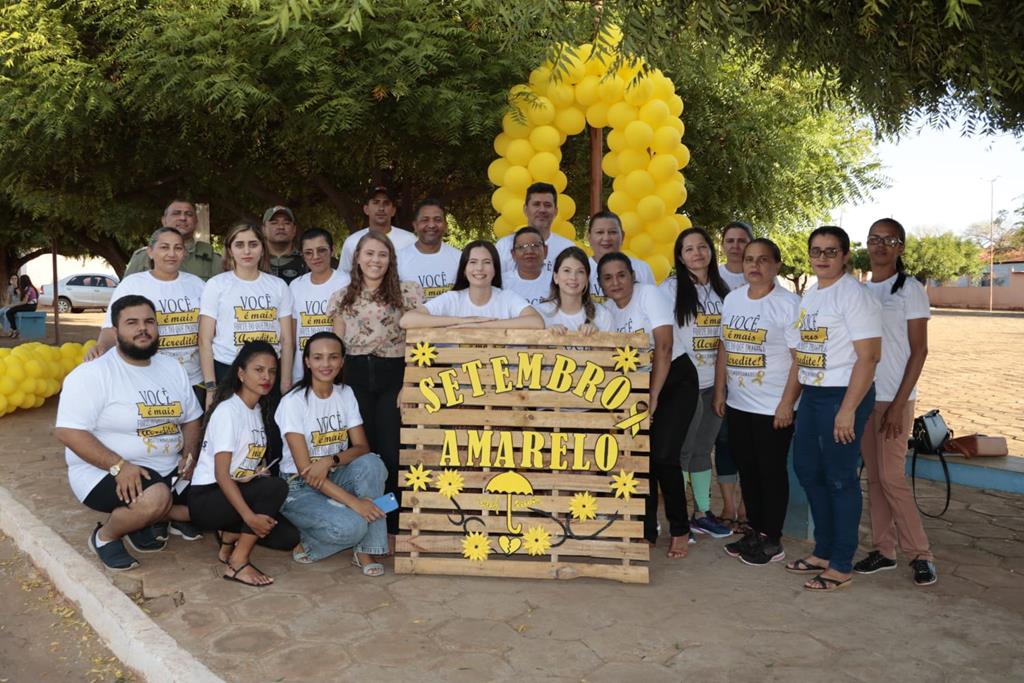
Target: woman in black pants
x=366 y=316
x=231 y=491
x=28 y=300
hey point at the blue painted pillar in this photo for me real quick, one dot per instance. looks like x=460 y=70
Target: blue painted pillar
x=798 y=515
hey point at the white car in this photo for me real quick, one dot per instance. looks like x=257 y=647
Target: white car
x=77 y=292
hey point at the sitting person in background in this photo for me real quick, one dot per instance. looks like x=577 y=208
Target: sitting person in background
x=27 y=301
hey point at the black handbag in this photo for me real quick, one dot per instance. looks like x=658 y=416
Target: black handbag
x=929 y=435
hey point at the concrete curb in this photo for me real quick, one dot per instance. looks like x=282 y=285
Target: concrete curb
x=127 y=630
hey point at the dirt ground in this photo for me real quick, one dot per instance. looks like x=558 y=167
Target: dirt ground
x=42 y=636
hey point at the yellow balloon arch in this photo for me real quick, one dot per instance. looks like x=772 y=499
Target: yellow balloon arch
x=646 y=151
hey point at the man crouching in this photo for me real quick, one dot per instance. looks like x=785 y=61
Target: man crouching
x=126 y=419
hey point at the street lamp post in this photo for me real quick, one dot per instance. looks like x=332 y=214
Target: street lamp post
x=991 y=239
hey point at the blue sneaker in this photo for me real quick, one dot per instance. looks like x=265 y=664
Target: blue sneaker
x=145 y=541
x=186 y=530
x=710 y=526
x=113 y=554
x=160 y=531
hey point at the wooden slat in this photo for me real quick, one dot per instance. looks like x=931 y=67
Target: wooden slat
x=504 y=338
x=438 y=521
x=636 y=551
x=596 y=483
x=521 y=399
x=435 y=437
x=453 y=355
x=638 y=464
x=512 y=418
x=524 y=569
x=413 y=374
x=471 y=502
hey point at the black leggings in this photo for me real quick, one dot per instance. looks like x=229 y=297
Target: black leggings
x=676 y=405
x=211 y=511
x=376 y=382
x=14 y=310
x=760 y=452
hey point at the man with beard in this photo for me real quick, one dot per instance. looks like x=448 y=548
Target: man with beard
x=284 y=258
x=201 y=260
x=380 y=209
x=528 y=279
x=541 y=208
x=429 y=261
x=129 y=422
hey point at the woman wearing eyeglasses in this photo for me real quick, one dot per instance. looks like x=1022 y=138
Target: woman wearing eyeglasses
x=838 y=340
x=905 y=313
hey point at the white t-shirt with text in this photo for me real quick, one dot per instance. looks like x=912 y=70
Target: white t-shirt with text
x=732 y=280
x=641 y=271
x=237 y=429
x=555 y=243
x=532 y=290
x=647 y=309
x=700 y=337
x=322 y=422
x=502 y=305
x=309 y=310
x=400 y=239
x=435 y=273
x=177 y=314
x=135 y=411
x=245 y=310
x=910 y=302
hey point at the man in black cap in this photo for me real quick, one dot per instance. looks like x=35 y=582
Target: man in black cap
x=380 y=210
x=279 y=228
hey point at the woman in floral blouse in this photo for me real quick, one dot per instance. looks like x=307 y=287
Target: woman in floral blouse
x=366 y=315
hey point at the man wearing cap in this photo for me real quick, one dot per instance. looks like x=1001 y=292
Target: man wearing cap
x=541 y=208
x=286 y=261
x=380 y=210
x=429 y=261
x=201 y=260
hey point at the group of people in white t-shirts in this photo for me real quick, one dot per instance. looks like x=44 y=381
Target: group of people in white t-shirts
x=300 y=383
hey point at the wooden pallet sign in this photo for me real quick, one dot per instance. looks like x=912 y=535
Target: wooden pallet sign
x=525 y=454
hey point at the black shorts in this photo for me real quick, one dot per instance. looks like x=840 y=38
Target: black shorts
x=103 y=497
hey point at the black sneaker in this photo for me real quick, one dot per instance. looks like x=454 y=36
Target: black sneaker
x=145 y=541
x=113 y=554
x=160 y=531
x=874 y=562
x=924 y=572
x=750 y=540
x=765 y=553
x=186 y=530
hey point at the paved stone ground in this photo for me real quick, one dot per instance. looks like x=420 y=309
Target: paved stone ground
x=707 y=617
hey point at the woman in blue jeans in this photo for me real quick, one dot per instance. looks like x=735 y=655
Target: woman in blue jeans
x=838 y=341
x=332 y=477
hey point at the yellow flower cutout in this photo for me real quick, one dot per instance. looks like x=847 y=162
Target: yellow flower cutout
x=424 y=354
x=476 y=546
x=536 y=540
x=417 y=478
x=623 y=484
x=583 y=506
x=627 y=359
x=450 y=483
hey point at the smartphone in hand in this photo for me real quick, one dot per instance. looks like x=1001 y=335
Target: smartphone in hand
x=386 y=503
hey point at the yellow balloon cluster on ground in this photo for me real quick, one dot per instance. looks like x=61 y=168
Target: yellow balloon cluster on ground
x=31 y=373
x=645 y=156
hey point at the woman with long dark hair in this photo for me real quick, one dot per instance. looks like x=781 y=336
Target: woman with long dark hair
x=232 y=492
x=905 y=312
x=838 y=338
x=476 y=299
x=366 y=317
x=636 y=307
x=28 y=300
x=569 y=307
x=697 y=291
x=332 y=477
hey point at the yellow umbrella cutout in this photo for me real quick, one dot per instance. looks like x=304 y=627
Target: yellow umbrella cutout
x=510 y=483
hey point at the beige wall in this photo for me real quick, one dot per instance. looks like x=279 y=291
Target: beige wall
x=1003 y=298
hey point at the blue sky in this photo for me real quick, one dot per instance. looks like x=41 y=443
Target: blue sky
x=940 y=179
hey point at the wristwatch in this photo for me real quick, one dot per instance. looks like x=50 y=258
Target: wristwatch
x=209 y=386
x=115 y=469
x=335 y=459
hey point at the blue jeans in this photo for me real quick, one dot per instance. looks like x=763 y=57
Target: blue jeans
x=828 y=472
x=327 y=526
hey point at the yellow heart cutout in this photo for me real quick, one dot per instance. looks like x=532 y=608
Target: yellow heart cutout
x=510 y=544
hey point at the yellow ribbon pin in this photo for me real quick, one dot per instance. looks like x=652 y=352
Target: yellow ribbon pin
x=636 y=416
x=759 y=378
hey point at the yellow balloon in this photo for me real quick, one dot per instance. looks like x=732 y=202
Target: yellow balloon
x=68 y=364
x=517 y=179
x=672 y=193
x=14 y=400
x=682 y=154
x=7 y=385
x=570 y=121
x=560 y=182
x=513 y=209
x=5 y=352
x=543 y=166
x=621 y=115
x=565 y=229
x=501 y=144
x=566 y=207
x=3 y=405
x=576 y=70
x=650 y=208
x=663 y=88
x=540 y=111
x=561 y=95
x=684 y=222
x=631 y=223
x=68 y=349
x=665 y=139
x=620 y=202
x=14 y=368
x=514 y=127
x=519 y=152
x=616 y=140
x=540 y=80
x=501 y=196
x=503 y=226
x=641 y=244
x=597 y=115
x=663 y=230
x=588 y=91
x=40 y=389
x=38 y=402
x=611 y=90
x=633 y=159
x=660 y=266
x=495 y=173
x=639 y=184
x=545 y=138
x=654 y=113
x=676 y=123
x=619 y=184
x=27 y=401
x=610 y=164
x=675 y=105
x=663 y=167
x=640 y=92
x=638 y=134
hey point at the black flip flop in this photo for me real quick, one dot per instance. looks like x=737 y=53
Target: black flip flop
x=234 y=576
x=802 y=566
x=220 y=539
x=823 y=584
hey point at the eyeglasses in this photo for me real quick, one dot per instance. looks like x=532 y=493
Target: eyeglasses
x=887 y=241
x=831 y=252
x=532 y=246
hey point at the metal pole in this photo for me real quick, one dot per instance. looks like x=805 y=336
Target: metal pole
x=56 y=308
x=596 y=175
x=991 y=240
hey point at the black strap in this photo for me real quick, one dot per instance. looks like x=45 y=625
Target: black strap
x=913 y=482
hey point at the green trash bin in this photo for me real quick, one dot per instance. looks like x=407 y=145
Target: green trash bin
x=31 y=325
